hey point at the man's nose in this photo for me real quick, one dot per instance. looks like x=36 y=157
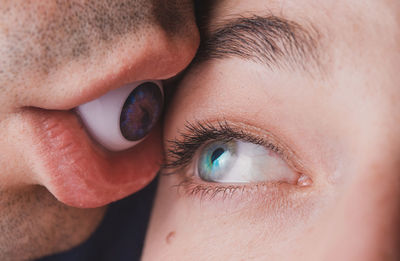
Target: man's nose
x=161 y=55
x=152 y=54
x=366 y=221
x=155 y=55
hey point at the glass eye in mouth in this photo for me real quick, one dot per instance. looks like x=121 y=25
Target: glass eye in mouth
x=123 y=117
x=141 y=110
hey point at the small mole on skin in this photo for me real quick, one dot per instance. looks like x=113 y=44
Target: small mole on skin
x=170 y=237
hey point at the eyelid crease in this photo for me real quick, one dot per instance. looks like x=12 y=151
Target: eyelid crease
x=180 y=152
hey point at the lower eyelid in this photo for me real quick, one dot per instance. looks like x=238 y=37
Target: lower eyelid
x=195 y=187
x=269 y=197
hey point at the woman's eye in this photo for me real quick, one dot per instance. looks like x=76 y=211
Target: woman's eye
x=123 y=117
x=242 y=162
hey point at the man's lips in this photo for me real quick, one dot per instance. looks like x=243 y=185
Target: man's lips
x=80 y=173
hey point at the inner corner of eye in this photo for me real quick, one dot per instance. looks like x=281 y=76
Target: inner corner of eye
x=304 y=180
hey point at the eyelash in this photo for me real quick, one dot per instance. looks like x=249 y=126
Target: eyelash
x=181 y=152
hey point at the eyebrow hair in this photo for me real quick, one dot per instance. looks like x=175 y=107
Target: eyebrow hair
x=270 y=40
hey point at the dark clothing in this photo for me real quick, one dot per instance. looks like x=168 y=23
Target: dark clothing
x=120 y=235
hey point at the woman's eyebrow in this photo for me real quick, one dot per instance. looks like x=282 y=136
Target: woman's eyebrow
x=271 y=40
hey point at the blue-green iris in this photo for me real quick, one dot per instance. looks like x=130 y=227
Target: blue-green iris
x=215 y=160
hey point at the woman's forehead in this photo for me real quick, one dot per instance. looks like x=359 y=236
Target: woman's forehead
x=340 y=18
x=333 y=36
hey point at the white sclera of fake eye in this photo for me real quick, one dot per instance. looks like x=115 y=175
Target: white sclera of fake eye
x=242 y=162
x=123 y=117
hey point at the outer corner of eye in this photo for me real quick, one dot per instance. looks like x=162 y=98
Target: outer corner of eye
x=123 y=117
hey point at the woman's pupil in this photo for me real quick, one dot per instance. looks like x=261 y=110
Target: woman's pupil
x=218 y=152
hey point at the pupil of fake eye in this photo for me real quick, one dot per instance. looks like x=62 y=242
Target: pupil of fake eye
x=140 y=112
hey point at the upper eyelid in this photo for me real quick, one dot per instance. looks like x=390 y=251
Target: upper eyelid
x=182 y=150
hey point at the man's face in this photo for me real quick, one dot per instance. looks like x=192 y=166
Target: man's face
x=56 y=55
x=285 y=137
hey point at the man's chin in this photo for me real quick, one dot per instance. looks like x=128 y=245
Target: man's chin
x=36 y=224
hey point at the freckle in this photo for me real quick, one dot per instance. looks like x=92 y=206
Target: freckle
x=170 y=237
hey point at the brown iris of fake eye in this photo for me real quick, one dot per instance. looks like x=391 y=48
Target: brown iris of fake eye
x=124 y=116
x=141 y=111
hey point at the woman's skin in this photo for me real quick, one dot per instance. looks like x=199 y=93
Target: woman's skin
x=318 y=78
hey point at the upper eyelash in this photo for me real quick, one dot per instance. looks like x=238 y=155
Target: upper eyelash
x=181 y=151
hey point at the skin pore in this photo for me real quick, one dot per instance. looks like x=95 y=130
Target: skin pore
x=317 y=79
x=56 y=55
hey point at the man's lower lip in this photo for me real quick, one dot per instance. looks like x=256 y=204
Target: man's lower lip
x=82 y=174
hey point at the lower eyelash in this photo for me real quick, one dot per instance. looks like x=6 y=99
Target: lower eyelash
x=207 y=191
x=198 y=189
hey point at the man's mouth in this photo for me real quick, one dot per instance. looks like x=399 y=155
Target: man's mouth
x=79 y=172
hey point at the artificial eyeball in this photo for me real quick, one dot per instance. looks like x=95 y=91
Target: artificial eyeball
x=123 y=117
